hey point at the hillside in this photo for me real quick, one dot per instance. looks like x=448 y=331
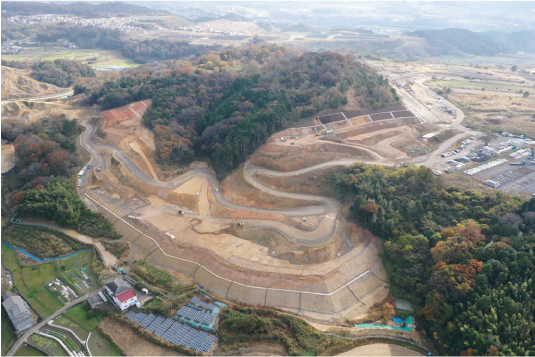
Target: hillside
x=16 y=83
x=227 y=104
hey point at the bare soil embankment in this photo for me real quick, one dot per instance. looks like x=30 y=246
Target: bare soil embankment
x=16 y=83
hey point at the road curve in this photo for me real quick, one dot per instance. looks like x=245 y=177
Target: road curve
x=36 y=327
x=70 y=92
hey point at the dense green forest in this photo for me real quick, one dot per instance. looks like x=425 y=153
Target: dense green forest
x=224 y=105
x=83 y=9
x=39 y=185
x=465 y=257
x=59 y=72
x=449 y=41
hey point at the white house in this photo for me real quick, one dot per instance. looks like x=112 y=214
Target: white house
x=121 y=293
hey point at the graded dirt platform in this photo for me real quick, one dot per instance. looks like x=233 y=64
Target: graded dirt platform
x=381 y=349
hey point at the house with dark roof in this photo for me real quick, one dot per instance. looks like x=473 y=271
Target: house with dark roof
x=18 y=312
x=121 y=293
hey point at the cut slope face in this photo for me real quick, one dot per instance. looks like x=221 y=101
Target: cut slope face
x=16 y=83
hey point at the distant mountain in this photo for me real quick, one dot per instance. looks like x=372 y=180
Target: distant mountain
x=450 y=41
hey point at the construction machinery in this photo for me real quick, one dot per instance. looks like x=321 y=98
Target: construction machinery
x=321 y=132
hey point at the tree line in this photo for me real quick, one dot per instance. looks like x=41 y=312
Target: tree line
x=41 y=183
x=464 y=257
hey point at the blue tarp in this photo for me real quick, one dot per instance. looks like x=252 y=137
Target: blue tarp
x=398 y=320
x=47 y=259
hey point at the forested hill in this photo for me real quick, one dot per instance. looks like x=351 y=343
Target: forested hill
x=450 y=41
x=464 y=257
x=222 y=106
x=84 y=9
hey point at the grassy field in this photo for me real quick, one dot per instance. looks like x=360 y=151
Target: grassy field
x=30 y=282
x=28 y=350
x=48 y=345
x=99 y=346
x=477 y=85
x=65 y=322
x=78 y=315
x=8 y=336
x=104 y=57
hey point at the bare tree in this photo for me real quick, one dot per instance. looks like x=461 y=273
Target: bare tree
x=510 y=219
x=487 y=137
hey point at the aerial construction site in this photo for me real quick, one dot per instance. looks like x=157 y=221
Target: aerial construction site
x=267 y=235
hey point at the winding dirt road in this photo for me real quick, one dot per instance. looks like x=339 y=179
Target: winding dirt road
x=329 y=207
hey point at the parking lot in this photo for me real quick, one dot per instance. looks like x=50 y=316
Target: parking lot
x=514 y=179
x=515 y=175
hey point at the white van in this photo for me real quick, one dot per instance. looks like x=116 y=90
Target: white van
x=79 y=182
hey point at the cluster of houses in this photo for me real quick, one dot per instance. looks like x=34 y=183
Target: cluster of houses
x=119 y=23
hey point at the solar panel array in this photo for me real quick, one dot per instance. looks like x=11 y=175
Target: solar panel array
x=195 y=300
x=140 y=317
x=189 y=338
x=207 y=343
x=155 y=324
x=163 y=327
x=177 y=339
x=179 y=333
x=168 y=335
x=182 y=311
x=131 y=315
x=176 y=332
x=147 y=321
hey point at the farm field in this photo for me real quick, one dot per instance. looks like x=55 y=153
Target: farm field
x=78 y=315
x=104 y=57
x=8 y=336
x=31 y=280
x=28 y=350
x=48 y=345
x=478 y=85
x=99 y=346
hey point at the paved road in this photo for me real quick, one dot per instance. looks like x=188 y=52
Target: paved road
x=35 y=328
x=70 y=92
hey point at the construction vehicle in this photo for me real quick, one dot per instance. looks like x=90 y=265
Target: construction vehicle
x=321 y=132
x=99 y=167
x=240 y=224
x=304 y=219
x=180 y=212
x=292 y=136
x=283 y=139
x=329 y=132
